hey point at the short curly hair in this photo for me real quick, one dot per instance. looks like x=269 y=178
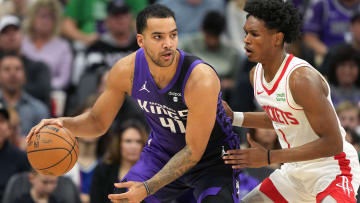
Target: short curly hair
x=277 y=14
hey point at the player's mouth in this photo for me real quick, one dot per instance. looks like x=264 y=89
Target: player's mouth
x=248 y=51
x=167 y=56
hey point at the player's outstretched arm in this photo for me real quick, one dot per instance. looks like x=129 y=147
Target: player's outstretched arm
x=310 y=92
x=249 y=119
x=96 y=121
x=201 y=96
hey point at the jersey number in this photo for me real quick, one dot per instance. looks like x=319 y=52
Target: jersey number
x=172 y=123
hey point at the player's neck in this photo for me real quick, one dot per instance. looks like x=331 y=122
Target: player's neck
x=163 y=75
x=272 y=64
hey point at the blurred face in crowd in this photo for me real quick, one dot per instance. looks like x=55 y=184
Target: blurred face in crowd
x=43 y=185
x=355 y=30
x=265 y=137
x=347 y=73
x=119 y=24
x=349 y=118
x=211 y=41
x=349 y=3
x=12 y=76
x=44 y=22
x=131 y=145
x=5 y=130
x=10 y=39
x=159 y=40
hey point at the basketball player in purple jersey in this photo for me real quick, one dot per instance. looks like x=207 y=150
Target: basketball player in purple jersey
x=181 y=99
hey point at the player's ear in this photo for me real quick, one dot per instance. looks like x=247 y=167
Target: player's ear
x=140 y=40
x=279 y=39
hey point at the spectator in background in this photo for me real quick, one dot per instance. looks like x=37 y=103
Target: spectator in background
x=42 y=189
x=15 y=7
x=84 y=22
x=12 y=160
x=327 y=23
x=190 y=14
x=235 y=18
x=12 y=80
x=118 y=42
x=209 y=46
x=348 y=114
x=43 y=43
x=126 y=145
x=344 y=75
x=37 y=73
x=81 y=174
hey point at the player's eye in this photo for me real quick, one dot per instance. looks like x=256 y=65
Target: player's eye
x=157 y=37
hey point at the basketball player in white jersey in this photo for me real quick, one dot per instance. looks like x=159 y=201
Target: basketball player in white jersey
x=319 y=165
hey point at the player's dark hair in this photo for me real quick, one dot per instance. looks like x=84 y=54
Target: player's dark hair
x=343 y=54
x=214 y=23
x=277 y=14
x=152 y=11
x=355 y=18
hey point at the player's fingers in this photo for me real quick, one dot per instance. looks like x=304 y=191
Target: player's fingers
x=39 y=126
x=239 y=166
x=124 y=184
x=235 y=162
x=30 y=134
x=117 y=197
x=232 y=157
x=236 y=151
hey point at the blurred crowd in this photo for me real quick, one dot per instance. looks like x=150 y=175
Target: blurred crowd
x=54 y=60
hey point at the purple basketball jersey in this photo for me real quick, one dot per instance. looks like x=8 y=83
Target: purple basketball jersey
x=165 y=109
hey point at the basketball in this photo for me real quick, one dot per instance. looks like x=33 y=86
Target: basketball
x=53 y=150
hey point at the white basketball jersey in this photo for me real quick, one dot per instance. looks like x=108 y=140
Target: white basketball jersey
x=288 y=118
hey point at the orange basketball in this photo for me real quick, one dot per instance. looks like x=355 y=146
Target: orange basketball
x=53 y=151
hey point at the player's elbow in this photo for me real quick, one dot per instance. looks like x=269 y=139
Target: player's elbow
x=337 y=146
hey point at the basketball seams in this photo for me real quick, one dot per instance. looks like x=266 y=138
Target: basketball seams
x=74 y=148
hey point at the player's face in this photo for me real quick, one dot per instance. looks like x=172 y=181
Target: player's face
x=259 y=40
x=131 y=145
x=159 y=40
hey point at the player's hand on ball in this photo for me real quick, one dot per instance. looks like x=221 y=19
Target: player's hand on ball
x=135 y=194
x=253 y=157
x=43 y=122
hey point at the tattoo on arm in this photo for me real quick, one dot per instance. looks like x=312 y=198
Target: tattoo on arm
x=180 y=163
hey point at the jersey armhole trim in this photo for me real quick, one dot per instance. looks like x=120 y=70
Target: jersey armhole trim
x=287 y=84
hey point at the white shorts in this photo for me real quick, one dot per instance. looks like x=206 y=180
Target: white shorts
x=312 y=181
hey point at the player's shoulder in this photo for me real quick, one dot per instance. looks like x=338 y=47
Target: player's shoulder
x=122 y=73
x=203 y=76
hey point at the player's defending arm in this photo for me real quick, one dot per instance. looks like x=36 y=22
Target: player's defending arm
x=249 y=119
x=201 y=96
x=310 y=92
x=96 y=121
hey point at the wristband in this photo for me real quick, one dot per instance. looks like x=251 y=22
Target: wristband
x=268 y=156
x=238 y=119
x=146 y=188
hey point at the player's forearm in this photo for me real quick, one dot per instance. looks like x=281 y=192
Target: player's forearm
x=84 y=125
x=180 y=163
x=323 y=147
x=257 y=120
